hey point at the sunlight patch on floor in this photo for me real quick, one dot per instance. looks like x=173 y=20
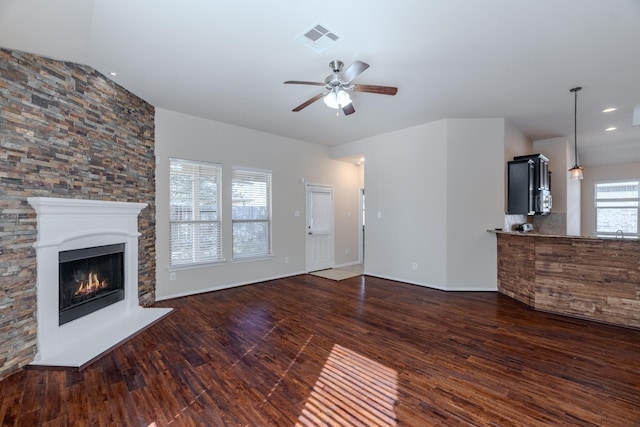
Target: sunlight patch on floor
x=352 y=390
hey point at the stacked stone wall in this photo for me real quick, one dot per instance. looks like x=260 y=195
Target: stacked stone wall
x=65 y=131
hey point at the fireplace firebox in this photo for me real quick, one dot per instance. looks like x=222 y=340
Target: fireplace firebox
x=90 y=279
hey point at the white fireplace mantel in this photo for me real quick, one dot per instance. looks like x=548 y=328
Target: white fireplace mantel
x=68 y=224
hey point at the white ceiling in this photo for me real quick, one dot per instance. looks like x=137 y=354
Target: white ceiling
x=226 y=60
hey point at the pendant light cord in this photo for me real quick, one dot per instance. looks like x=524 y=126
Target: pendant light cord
x=575 y=124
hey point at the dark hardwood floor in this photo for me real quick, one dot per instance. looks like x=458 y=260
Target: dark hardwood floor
x=364 y=351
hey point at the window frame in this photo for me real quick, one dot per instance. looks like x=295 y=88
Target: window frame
x=215 y=170
x=268 y=253
x=636 y=200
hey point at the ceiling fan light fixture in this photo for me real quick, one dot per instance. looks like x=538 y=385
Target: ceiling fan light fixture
x=337 y=99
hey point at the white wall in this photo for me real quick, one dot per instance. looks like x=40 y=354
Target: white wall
x=594 y=174
x=608 y=154
x=438 y=187
x=361 y=169
x=404 y=183
x=515 y=144
x=182 y=136
x=475 y=201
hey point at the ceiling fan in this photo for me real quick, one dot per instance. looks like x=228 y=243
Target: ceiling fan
x=338 y=85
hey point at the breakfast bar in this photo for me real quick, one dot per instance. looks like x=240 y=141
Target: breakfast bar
x=586 y=277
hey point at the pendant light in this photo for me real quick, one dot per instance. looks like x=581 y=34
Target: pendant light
x=576 y=170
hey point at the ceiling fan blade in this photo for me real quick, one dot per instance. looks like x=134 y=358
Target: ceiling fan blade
x=348 y=109
x=382 y=90
x=298 y=82
x=353 y=70
x=308 y=102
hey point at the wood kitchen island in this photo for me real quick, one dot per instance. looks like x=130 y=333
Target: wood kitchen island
x=590 y=278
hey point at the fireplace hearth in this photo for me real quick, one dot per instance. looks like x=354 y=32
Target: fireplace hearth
x=89 y=279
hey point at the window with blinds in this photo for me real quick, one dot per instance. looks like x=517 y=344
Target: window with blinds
x=194 y=199
x=617 y=208
x=251 y=212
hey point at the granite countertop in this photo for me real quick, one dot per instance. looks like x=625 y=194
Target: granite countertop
x=566 y=236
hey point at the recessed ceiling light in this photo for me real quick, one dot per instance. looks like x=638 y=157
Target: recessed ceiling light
x=611 y=128
x=609 y=110
x=113 y=73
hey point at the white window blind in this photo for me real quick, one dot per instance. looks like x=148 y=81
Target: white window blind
x=251 y=212
x=321 y=217
x=194 y=199
x=617 y=208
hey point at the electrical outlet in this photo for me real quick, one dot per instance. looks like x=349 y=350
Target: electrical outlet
x=414 y=265
x=172 y=275
x=346 y=251
x=286 y=260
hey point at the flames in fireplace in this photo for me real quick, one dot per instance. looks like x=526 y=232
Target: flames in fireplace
x=90 y=286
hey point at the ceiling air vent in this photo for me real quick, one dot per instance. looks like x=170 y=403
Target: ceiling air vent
x=318 y=38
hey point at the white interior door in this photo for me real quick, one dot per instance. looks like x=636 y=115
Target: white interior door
x=320 y=235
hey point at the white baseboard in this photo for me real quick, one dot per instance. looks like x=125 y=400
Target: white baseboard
x=348 y=264
x=440 y=288
x=226 y=286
